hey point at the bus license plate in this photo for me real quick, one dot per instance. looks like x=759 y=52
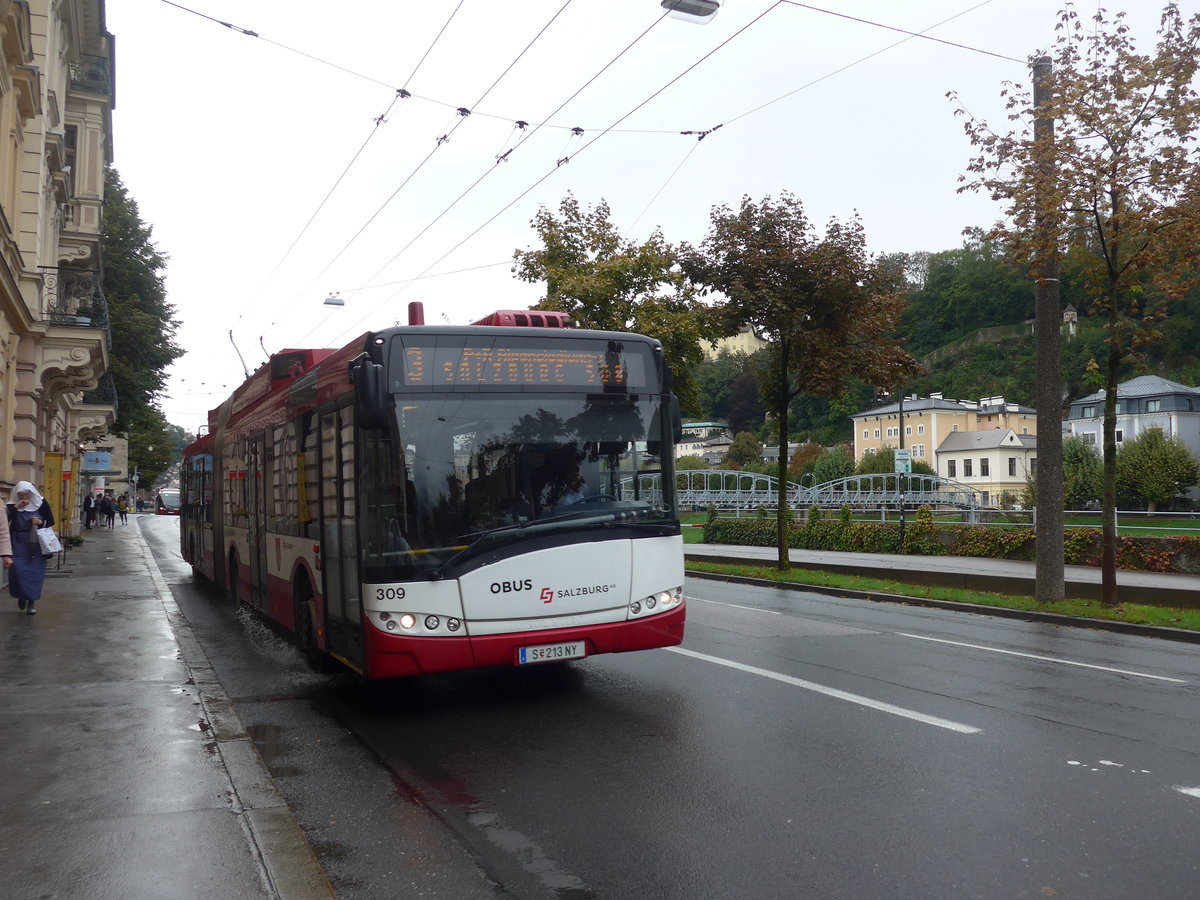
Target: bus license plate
x=550 y=652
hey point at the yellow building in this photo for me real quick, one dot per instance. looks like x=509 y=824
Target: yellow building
x=928 y=421
x=56 y=97
x=745 y=342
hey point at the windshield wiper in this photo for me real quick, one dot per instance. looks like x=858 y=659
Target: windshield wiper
x=554 y=523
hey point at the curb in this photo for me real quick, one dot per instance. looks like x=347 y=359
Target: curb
x=1157 y=631
x=290 y=868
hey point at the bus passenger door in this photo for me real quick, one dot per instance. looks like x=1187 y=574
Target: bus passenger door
x=339 y=537
x=256 y=459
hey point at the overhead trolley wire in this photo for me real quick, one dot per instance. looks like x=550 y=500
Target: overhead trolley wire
x=911 y=35
x=400 y=94
x=526 y=135
x=463 y=114
x=557 y=166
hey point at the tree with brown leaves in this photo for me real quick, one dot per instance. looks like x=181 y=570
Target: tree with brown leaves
x=827 y=307
x=1117 y=186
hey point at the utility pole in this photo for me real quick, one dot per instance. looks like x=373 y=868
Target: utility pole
x=900 y=478
x=1049 y=586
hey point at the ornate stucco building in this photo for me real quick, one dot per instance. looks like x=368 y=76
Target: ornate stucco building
x=56 y=100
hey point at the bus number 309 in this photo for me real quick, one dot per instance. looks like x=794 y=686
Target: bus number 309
x=392 y=593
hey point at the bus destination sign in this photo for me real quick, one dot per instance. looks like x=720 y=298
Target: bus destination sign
x=533 y=366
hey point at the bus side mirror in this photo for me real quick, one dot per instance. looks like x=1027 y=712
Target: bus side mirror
x=370 y=398
x=654 y=447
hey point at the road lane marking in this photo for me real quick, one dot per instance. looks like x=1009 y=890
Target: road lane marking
x=834 y=692
x=1051 y=659
x=735 y=606
x=1191 y=792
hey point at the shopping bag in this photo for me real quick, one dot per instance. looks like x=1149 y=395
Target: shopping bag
x=48 y=540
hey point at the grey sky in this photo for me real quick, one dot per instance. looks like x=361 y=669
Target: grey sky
x=230 y=143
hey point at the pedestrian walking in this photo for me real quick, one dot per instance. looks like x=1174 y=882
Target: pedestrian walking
x=108 y=509
x=27 y=512
x=89 y=510
x=123 y=508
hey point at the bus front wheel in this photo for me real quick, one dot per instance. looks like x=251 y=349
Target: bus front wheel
x=306 y=630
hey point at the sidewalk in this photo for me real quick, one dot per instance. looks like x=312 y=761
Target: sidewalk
x=997 y=575
x=127 y=774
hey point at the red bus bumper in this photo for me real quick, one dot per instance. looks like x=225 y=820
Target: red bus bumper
x=398 y=656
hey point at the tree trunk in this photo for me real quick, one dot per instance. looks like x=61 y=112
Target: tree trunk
x=1050 y=579
x=783 y=512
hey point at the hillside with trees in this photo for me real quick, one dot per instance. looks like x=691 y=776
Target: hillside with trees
x=968 y=316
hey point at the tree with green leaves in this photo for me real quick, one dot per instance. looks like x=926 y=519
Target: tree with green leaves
x=1154 y=468
x=604 y=281
x=1116 y=183
x=745 y=451
x=746 y=409
x=836 y=462
x=1081 y=473
x=141 y=321
x=828 y=309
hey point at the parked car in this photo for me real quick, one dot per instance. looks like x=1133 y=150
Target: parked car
x=168 y=503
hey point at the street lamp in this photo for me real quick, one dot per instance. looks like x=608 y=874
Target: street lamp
x=700 y=12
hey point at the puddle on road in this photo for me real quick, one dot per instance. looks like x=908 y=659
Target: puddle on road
x=268 y=740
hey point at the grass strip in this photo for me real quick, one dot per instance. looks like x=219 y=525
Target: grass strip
x=1135 y=613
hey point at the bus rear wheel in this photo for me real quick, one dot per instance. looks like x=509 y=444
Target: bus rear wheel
x=234 y=573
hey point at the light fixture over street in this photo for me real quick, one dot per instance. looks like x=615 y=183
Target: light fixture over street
x=700 y=12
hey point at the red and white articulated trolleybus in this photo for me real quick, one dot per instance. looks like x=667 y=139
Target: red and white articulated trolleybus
x=433 y=498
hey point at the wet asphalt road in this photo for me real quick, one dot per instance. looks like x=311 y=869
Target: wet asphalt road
x=800 y=746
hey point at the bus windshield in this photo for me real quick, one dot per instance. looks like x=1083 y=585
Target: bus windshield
x=461 y=470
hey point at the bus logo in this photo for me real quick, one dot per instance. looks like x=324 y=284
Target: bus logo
x=547 y=594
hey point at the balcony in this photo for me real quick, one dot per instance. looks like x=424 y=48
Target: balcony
x=73 y=297
x=92 y=75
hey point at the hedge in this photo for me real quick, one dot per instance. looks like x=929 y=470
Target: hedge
x=923 y=538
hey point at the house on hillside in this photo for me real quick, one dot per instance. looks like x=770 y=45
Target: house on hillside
x=698 y=435
x=1144 y=402
x=1148 y=401
x=746 y=341
x=995 y=462
x=928 y=421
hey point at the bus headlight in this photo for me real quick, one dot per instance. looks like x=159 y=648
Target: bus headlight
x=635 y=608
x=408 y=621
x=391 y=624
x=453 y=624
x=432 y=622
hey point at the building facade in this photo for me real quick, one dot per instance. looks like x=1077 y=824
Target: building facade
x=928 y=421
x=746 y=342
x=1145 y=402
x=56 y=100
x=996 y=463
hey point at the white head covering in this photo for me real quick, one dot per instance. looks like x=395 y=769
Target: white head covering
x=35 y=496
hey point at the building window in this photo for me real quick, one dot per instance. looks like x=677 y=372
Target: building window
x=967 y=468
x=951 y=469
x=1118 y=408
x=1153 y=405
x=876 y=434
x=1089 y=412
x=954 y=428
x=984 y=467
x=1012 y=466
x=1120 y=435
x=866 y=434
x=1033 y=466
x=1024 y=431
x=1089 y=438
x=908 y=430
x=921 y=428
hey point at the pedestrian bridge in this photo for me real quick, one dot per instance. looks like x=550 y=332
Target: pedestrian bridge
x=727 y=489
